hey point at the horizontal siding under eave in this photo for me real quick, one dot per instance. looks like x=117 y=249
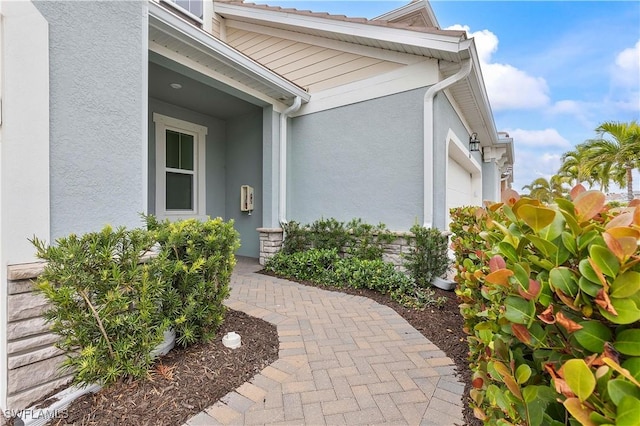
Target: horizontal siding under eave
x=344 y=66
x=291 y=54
x=267 y=51
x=352 y=76
x=313 y=67
x=250 y=43
x=312 y=63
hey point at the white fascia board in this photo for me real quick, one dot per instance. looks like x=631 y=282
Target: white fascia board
x=416 y=6
x=373 y=52
x=480 y=94
x=169 y=23
x=375 y=32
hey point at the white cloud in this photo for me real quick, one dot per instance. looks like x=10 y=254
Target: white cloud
x=626 y=70
x=532 y=165
x=507 y=86
x=548 y=138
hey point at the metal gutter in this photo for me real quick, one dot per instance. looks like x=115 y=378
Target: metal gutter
x=429 y=136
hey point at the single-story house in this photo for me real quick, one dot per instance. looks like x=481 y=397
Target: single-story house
x=195 y=108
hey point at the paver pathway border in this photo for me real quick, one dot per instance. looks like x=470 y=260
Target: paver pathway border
x=343 y=359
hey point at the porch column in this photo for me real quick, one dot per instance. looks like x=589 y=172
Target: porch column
x=270 y=167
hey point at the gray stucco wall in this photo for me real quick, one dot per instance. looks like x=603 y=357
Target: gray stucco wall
x=444 y=118
x=97 y=128
x=215 y=154
x=362 y=160
x=244 y=167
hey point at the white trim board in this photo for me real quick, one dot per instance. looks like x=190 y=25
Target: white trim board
x=410 y=77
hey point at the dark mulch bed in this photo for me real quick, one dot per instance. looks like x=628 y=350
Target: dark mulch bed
x=186 y=381
x=183 y=382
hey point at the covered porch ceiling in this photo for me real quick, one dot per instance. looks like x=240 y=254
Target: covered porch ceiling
x=197 y=92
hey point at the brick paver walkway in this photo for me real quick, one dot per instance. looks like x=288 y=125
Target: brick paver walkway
x=343 y=360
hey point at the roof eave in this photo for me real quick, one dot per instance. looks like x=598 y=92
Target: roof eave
x=421 y=6
x=443 y=42
x=167 y=22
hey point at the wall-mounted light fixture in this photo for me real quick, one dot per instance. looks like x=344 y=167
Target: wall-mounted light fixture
x=474 y=143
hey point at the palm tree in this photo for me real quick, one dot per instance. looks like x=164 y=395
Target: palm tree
x=573 y=169
x=546 y=190
x=615 y=157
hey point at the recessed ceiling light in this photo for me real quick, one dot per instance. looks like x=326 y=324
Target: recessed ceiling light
x=176 y=85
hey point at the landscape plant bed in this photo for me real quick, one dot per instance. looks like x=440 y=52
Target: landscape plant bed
x=201 y=375
x=183 y=382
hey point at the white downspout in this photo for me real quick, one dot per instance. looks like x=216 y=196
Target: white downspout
x=282 y=208
x=464 y=71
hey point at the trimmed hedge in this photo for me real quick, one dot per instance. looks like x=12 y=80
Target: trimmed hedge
x=326 y=267
x=111 y=310
x=551 y=301
x=197 y=259
x=105 y=305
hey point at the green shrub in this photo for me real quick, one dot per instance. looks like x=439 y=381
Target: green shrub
x=325 y=267
x=356 y=238
x=428 y=257
x=551 y=299
x=366 y=241
x=104 y=304
x=295 y=238
x=197 y=258
x=327 y=234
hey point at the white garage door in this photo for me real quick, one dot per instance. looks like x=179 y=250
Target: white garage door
x=459 y=186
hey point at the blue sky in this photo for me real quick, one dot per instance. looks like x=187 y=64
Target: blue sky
x=554 y=70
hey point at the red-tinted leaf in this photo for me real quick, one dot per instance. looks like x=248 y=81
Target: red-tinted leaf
x=499 y=277
x=588 y=204
x=567 y=300
x=532 y=292
x=624 y=219
x=477 y=383
x=569 y=325
x=577 y=190
x=510 y=197
x=496 y=263
x=602 y=299
x=547 y=316
x=521 y=332
x=614 y=246
x=558 y=382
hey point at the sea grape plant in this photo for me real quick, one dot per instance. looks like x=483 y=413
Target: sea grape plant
x=551 y=301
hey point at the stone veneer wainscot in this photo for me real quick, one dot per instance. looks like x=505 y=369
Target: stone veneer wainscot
x=33 y=360
x=271 y=243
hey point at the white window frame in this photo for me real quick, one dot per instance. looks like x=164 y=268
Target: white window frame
x=199 y=133
x=174 y=4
